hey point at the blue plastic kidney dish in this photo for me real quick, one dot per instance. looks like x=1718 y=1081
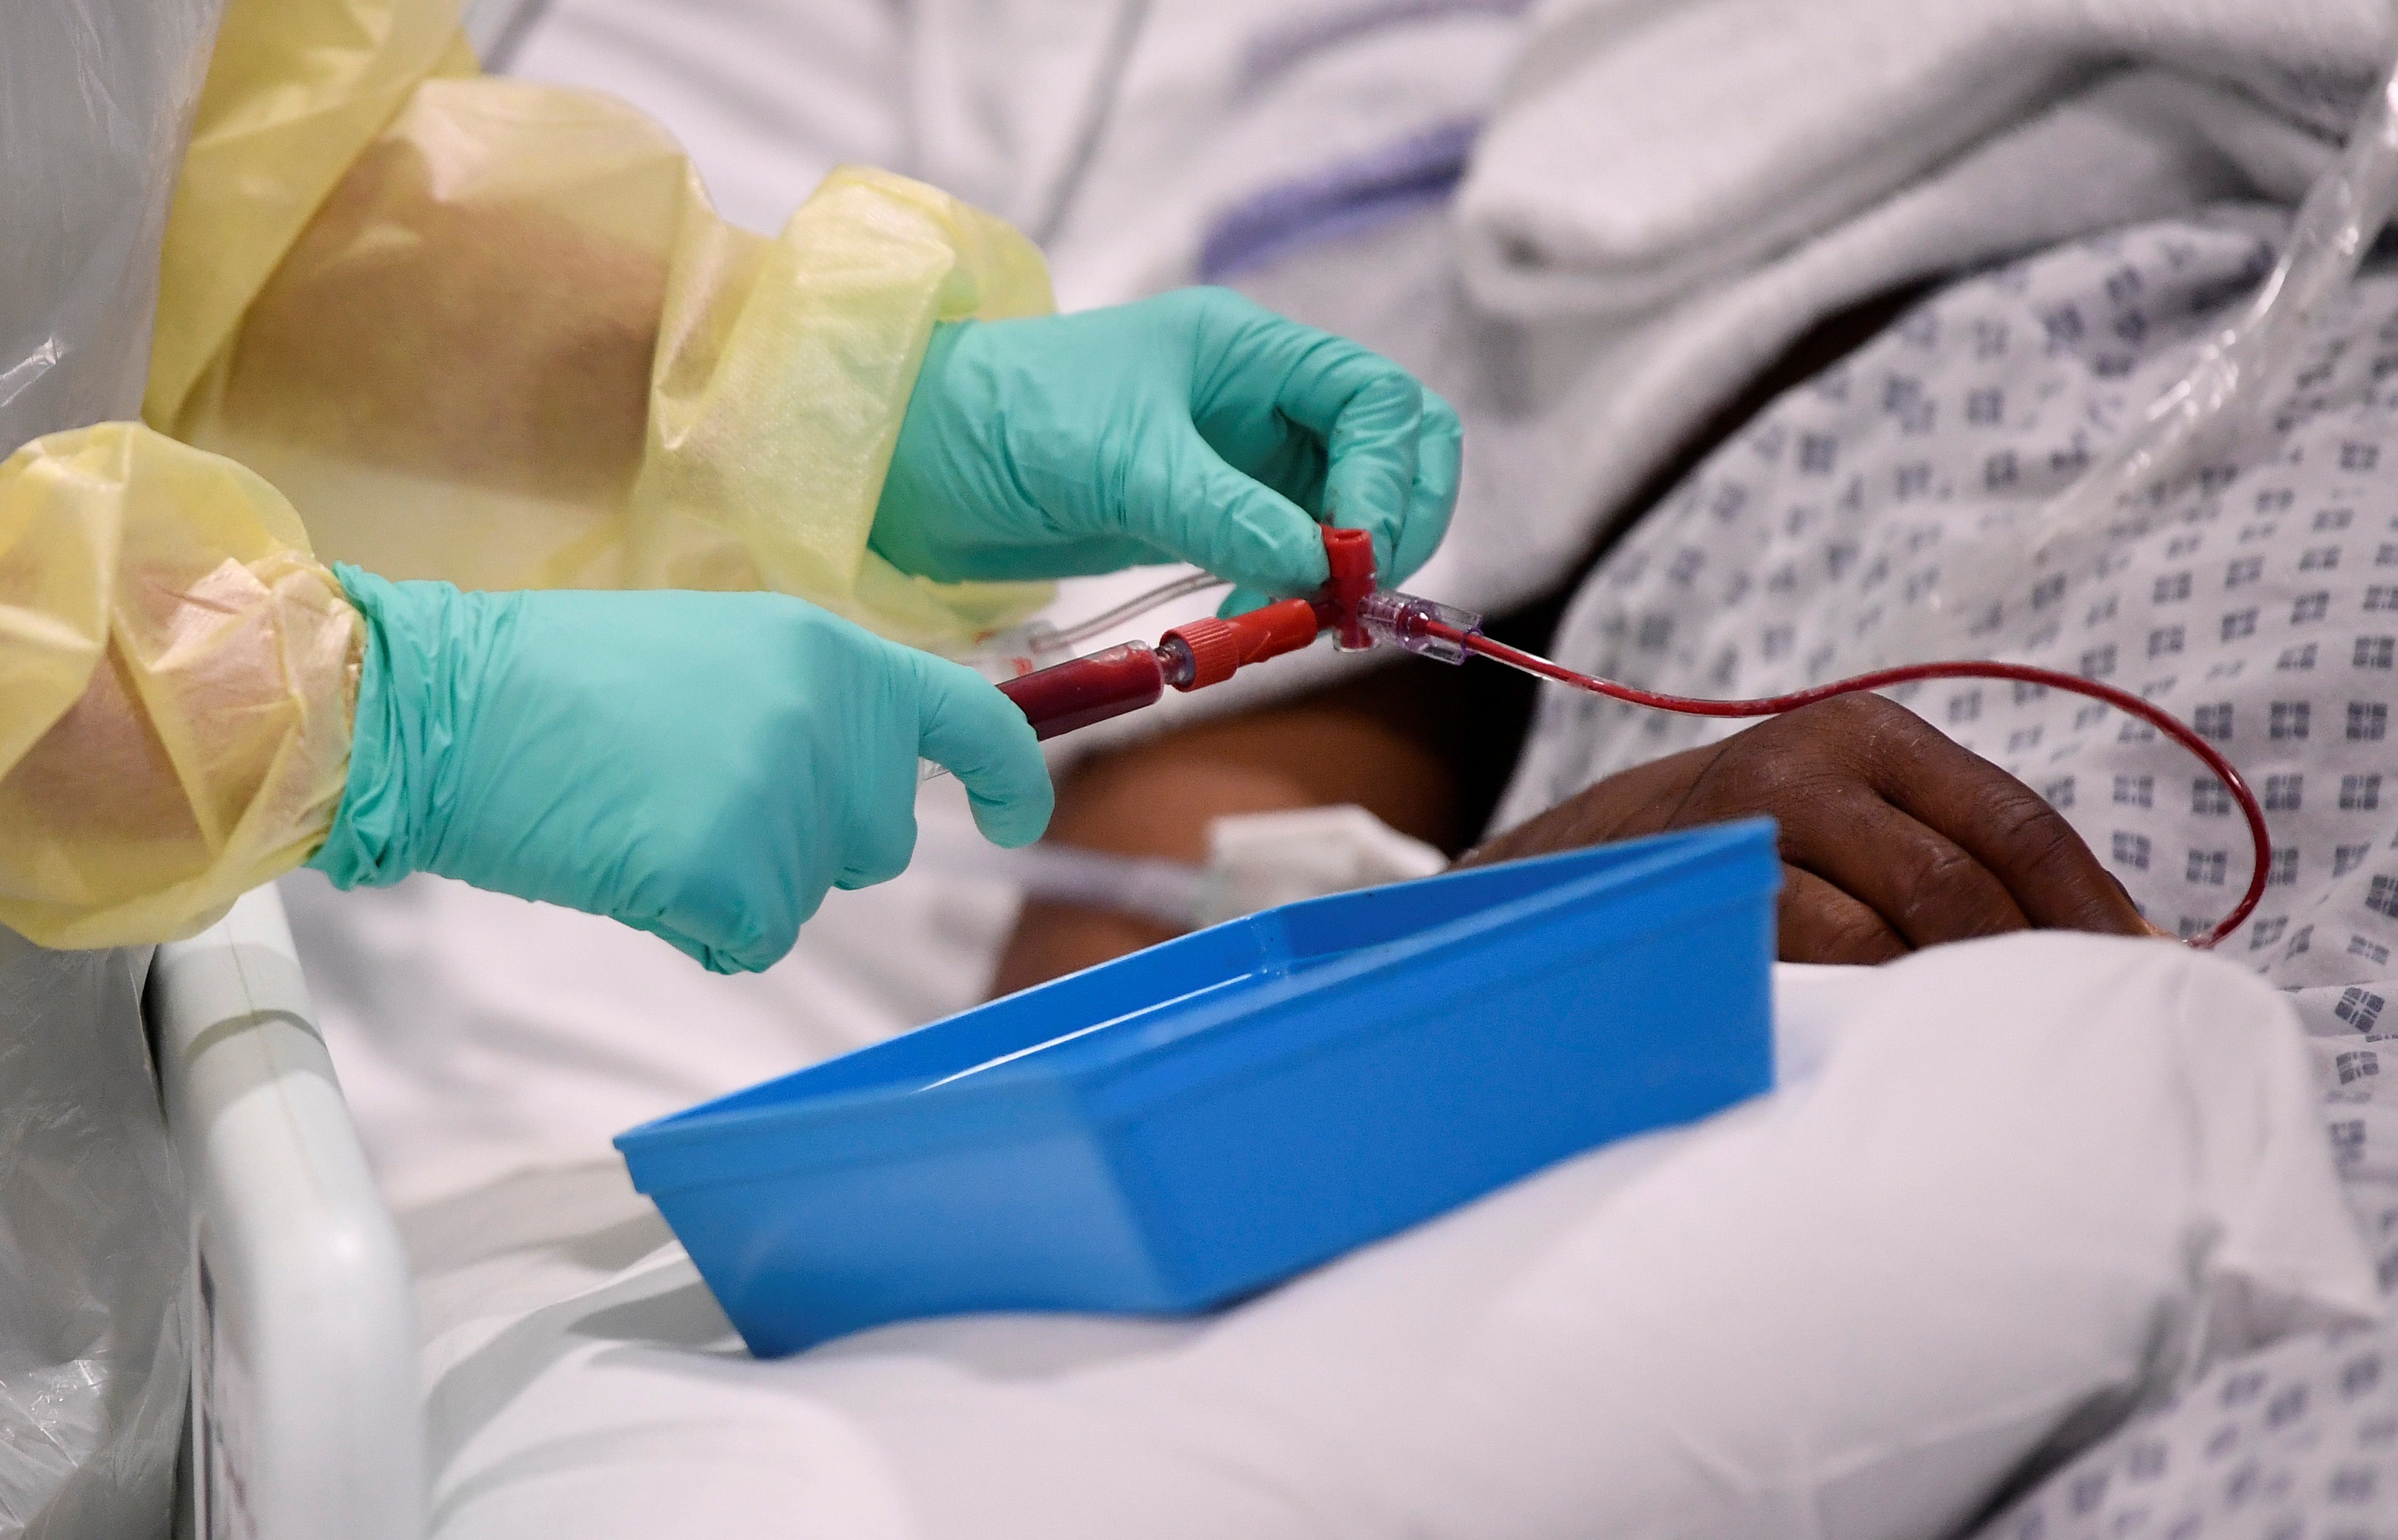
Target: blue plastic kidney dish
x=1194 y=1122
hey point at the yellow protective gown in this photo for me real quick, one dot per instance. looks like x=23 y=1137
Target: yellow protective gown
x=454 y=327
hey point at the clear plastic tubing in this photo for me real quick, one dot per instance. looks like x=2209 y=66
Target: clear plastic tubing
x=1435 y=631
x=2225 y=386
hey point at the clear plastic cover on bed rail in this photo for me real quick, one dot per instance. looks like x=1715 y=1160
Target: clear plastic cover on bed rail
x=2195 y=419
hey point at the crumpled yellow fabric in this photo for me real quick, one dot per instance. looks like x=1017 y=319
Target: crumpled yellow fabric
x=177 y=681
x=470 y=329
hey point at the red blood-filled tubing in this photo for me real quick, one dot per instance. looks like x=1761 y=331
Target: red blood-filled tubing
x=1083 y=690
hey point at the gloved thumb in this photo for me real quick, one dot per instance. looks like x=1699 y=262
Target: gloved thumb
x=965 y=725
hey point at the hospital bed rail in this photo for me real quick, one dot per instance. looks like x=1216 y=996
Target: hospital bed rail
x=307 y=1419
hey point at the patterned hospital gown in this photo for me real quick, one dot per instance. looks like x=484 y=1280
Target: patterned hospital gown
x=2261 y=605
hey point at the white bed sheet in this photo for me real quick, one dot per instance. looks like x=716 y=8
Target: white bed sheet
x=2010 y=1184
x=766 y=96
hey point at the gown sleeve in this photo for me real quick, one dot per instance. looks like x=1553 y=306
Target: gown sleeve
x=442 y=325
x=178 y=676
x=491 y=330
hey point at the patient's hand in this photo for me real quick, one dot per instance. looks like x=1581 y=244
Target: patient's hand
x=1892 y=836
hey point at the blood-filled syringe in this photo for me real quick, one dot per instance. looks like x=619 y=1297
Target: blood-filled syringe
x=1083 y=690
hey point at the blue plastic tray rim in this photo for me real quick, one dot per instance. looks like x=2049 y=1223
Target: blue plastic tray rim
x=984 y=1115
x=973 y=1113
x=1099 y=1085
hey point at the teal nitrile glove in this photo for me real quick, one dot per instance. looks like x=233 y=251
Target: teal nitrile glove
x=1196 y=427
x=702 y=767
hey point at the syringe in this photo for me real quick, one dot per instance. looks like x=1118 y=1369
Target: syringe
x=1191 y=656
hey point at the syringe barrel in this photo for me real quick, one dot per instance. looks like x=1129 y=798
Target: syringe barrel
x=1404 y=621
x=1085 y=690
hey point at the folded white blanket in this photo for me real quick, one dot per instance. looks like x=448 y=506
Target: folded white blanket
x=765 y=98
x=1644 y=152
x=1117 y=133
x=1667 y=196
x=2010 y=1185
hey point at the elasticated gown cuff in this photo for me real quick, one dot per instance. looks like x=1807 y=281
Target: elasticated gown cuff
x=427 y=645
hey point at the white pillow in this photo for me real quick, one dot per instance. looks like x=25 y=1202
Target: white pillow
x=2036 y=1178
x=2031 y=1178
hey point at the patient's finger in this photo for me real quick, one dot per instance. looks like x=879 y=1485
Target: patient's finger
x=1817 y=923
x=1925 y=886
x=2012 y=831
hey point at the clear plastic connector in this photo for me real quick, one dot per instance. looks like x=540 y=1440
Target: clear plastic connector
x=1419 y=625
x=1177 y=663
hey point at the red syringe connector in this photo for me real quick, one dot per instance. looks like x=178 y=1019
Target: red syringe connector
x=1220 y=646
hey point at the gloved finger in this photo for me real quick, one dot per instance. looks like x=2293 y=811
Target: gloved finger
x=965 y=725
x=1370 y=413
x=1041 y=560
x=1184 y=499
x=745 y=957
x=731 y=920
x=881 y=826
x=1091 y=556
x=1440 y=451
x=1240 y=601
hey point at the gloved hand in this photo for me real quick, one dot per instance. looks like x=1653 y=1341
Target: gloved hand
x=702 y=767
x=1194 y=427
